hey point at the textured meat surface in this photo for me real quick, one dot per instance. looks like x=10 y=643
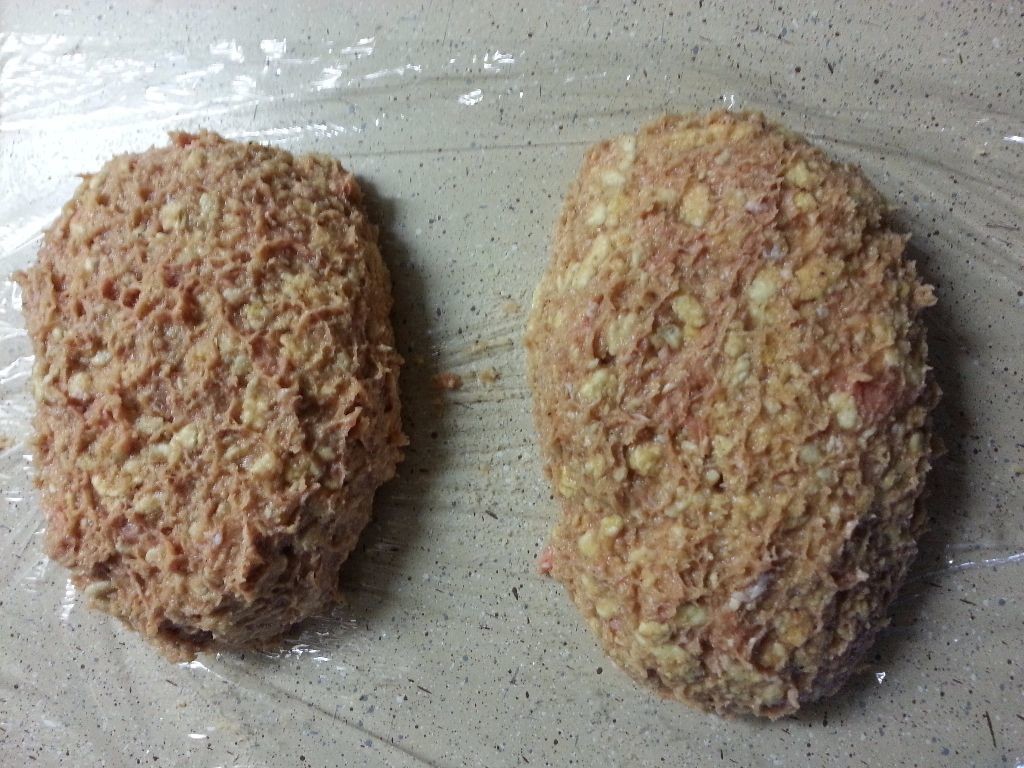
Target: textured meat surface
x=216 y=387
x=732 y=396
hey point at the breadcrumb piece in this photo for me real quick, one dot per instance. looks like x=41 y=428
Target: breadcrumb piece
x=447 y=381
x=488 y=376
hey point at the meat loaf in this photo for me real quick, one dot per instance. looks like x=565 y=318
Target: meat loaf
x=216 y=387
x=731 y=391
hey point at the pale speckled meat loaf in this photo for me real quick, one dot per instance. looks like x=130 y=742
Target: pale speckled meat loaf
x=731 y=390
x=216 y=385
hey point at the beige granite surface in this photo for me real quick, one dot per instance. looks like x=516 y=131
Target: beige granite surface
x=467 y=124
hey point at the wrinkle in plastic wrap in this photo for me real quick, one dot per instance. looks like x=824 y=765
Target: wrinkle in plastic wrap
x=450 y=650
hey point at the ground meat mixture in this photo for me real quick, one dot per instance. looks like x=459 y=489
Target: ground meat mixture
x=216 y=385
x=732 y=397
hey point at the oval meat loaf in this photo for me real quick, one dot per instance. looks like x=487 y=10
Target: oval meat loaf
x=732 y=396
x=216 y=387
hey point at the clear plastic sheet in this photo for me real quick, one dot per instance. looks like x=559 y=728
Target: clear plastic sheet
x=451 y=649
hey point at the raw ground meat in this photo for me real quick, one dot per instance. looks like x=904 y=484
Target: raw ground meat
x=732 y=396
x=216 y=387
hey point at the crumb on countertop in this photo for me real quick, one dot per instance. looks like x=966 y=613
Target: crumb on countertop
x=488 y=376
x=447 y=380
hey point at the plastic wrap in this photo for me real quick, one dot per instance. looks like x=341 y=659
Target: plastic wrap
x=451 y=650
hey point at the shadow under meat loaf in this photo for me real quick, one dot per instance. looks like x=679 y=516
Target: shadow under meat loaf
x=397 y=527
x=944 y=499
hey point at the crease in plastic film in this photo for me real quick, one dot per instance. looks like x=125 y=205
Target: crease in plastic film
x=84 y=83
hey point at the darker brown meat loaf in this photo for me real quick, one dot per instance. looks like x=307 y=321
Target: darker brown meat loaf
x=216 y=384
x=731 y=390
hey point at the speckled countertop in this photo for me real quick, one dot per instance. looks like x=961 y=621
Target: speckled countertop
x=466 y=125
